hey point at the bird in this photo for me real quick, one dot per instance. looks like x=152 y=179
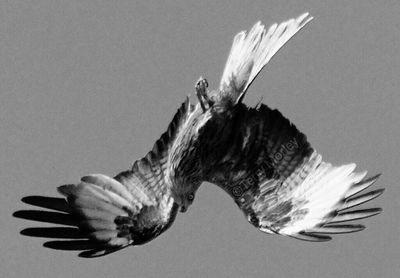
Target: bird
x=255 y=154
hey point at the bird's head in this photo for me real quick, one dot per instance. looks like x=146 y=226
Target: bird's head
x=184 y=198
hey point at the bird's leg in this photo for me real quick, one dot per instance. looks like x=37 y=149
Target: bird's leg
x=201 y=92
x=200 y=100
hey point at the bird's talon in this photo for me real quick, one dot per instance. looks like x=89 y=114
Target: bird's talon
x=201 y=85
x=201 y=92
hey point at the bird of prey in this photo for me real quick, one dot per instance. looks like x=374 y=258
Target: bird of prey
x=255 y=154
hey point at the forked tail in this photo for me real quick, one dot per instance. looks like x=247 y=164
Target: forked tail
x=251 y=51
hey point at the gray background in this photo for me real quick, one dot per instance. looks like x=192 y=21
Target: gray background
x=87 y=87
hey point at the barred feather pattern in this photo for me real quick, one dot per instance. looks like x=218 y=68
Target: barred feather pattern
x=262 y=145
x=255 y=154
x=282 y=184
x=153 y=169
x=261 y=159
x=105 y=214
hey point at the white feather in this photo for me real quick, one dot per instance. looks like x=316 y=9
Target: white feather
x=108 y=183
x=321 y=193
x=251 y=51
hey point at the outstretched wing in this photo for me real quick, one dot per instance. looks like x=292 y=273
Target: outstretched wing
x=251 y=51
x=281 y=183
x=103 y=214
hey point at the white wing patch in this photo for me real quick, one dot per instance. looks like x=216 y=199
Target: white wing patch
x=314 y=200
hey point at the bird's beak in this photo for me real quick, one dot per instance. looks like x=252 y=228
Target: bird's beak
x=183 y=209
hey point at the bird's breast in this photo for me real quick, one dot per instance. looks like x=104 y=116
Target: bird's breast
x=184 y=160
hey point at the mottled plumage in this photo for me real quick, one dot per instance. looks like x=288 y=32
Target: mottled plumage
x=261 y=159
x=256 y=155
x=108 y=213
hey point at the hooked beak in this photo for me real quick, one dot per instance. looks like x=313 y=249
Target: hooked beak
x=183 y=209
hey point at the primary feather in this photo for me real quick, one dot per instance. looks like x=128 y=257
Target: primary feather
x=109 y=213
x=281 y=183
x=265 y=163
x=255 y=154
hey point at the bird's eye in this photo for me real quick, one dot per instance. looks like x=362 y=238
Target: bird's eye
x=190 y=197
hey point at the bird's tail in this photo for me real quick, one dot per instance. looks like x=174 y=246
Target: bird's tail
x=94 y=215
x=251 y=51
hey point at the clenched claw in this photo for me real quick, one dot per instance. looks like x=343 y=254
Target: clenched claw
x=201 y=92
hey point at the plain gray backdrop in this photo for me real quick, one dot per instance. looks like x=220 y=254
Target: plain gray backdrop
x=88 y=86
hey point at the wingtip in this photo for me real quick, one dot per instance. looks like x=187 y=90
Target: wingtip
x=376 y=176
x=358 y=228
x=377 y=192
x=259 y=23
x=373 y=212
x=304 y=18
x=381 y=191
x=24 y=199
x=370 y=180
x=376 y=211
x=30 y=200
x=65 y=189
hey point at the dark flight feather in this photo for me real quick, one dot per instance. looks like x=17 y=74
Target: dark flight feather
x=256 y=155
x=103 y=214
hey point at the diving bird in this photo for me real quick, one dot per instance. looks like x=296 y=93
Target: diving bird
x=255 y=154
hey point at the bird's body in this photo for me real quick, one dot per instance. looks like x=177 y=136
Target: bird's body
x=256 y=155
x=184 y=172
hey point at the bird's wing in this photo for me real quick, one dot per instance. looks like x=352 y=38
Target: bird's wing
x=102 y=214
x=283 y=186
x=252 y=50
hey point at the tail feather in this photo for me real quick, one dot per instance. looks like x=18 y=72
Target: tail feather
x=251 y=51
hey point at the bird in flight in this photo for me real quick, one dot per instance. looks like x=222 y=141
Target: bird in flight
x=255 y=154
